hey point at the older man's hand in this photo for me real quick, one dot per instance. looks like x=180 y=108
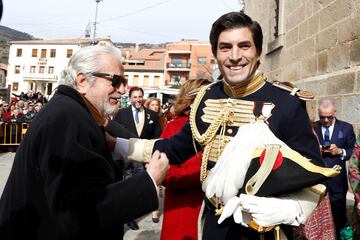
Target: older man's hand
x=158 y=167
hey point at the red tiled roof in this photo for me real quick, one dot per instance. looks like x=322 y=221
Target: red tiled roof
x=59 y=41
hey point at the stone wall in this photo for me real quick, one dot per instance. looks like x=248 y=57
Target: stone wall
x=318 y=49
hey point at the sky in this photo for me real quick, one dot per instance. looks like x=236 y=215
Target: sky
x=132 y=21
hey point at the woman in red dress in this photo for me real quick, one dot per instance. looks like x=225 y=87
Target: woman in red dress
x=183 y=194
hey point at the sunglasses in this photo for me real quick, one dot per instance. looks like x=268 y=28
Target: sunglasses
x=116 y=80
x=328 y=117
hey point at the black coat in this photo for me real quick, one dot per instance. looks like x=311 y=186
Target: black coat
x=64 y=184
x=151 y=128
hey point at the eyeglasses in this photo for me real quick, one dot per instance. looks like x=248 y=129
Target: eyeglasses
x=116 y=80
x=330 y=118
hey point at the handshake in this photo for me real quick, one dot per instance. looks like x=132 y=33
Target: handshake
x=158 y=166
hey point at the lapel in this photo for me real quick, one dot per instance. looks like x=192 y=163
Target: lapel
x=319 y=133
x=334 y=136
x=146 y=121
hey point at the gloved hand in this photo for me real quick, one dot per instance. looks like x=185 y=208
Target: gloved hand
x=267 y=211
x=233 y=207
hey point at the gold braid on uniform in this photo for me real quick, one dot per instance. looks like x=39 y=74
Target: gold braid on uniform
x=209 y=136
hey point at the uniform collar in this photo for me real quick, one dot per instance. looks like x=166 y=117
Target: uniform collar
x=243 y=89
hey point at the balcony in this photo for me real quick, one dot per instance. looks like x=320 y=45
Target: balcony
x=40 y=77
x=178 y=52
x=178 y=67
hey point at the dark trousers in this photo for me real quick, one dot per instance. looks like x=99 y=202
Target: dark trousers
x=338 y=208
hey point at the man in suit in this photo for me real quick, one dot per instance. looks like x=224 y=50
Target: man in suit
x=337 y=140
x=141 y=122
x=137 y=119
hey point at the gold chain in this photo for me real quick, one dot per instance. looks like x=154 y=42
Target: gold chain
x=208 y=137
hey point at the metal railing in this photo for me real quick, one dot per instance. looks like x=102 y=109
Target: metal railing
x=11 y=134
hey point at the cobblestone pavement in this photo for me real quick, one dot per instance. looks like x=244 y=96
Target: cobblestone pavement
x=148 y=230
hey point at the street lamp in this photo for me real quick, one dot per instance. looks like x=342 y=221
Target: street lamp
x=94 y=34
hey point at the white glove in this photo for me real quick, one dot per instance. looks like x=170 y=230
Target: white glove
x=228 y=175
x=272 y=211
x=233 y=207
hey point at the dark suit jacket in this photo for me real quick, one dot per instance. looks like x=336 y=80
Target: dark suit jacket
x=64 y=184
x=343 y=136
x=151 y=127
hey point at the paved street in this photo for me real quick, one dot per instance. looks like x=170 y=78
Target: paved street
x=148 y=230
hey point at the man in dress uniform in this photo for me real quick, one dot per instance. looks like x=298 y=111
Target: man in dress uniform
x=220 y=109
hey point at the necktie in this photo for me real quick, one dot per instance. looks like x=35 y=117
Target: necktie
x=137 y=116
x=327 y=136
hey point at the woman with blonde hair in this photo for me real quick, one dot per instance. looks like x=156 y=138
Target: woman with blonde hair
x=153 y=103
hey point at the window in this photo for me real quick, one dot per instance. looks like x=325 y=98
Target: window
x=156 y=81
x=41 y=69
x=51 y=70
x=15 y=86
x=69 y=53
x=146 y=81
x=202 y=60
x=34 y=53
x=17 y=69
x=49 y=88
x=276 y=26
x=136 y=80
x=175 y=79
x=43 y=53
x=19 y=52
x=176 y=62
x=32 y=69
x=52 y=53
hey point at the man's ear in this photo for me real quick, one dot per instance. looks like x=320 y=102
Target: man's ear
x=81 y=83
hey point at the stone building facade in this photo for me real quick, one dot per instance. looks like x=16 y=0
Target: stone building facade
x=314 y=44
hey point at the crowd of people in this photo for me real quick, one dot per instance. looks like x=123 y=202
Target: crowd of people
x=86 y=168
x=22 y=108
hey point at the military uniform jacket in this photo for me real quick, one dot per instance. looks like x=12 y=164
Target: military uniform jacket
x=289 y=121
x=64 y=184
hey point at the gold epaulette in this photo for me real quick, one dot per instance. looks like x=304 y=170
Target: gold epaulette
x=303 y=95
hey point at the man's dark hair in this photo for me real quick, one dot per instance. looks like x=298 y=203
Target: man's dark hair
x=133 y=89
x=233 y=20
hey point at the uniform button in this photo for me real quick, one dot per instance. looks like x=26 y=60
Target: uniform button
x=229 y=131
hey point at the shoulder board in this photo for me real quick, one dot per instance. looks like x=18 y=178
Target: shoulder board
x=303 y=95
x=196 y=91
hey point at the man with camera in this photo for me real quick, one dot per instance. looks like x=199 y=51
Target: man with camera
x=337 y=140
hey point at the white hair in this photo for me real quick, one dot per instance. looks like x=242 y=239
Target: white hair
x=326 y=103
x=86 y=60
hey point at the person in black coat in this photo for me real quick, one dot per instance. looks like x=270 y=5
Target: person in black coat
x=337 y=140
x=146 y=125
x=64 y=183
